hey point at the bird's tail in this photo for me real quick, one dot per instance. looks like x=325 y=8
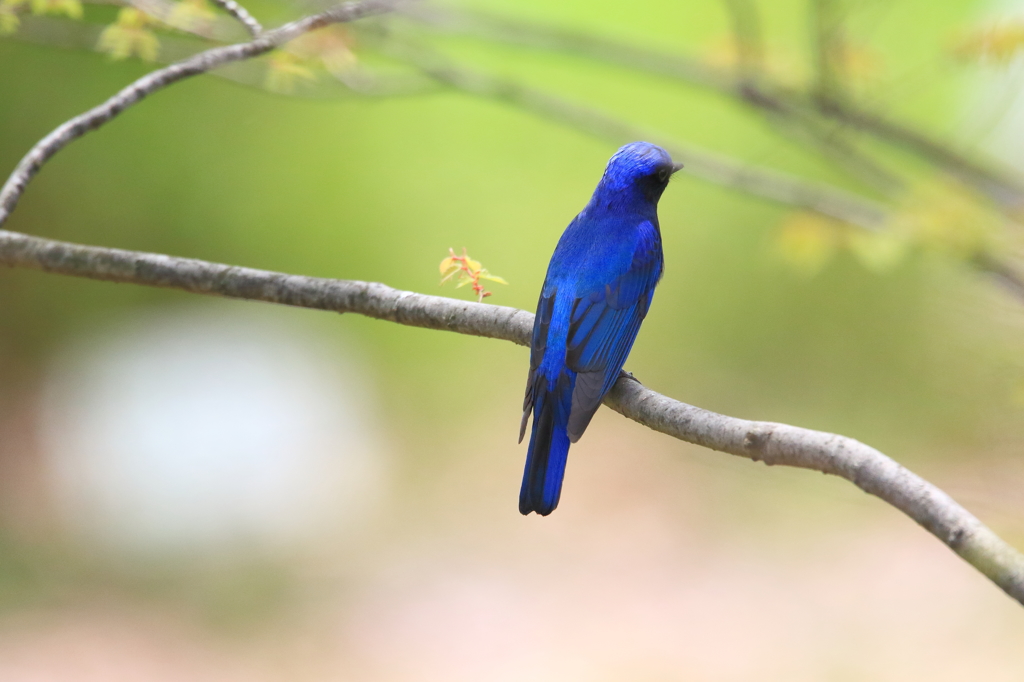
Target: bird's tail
x=549 y=446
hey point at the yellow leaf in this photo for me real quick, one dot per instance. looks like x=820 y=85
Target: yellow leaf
x=446 y=265
x=493 y=278
x=473 y=265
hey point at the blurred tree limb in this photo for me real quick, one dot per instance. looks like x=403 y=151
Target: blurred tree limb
x=771 y=443
x=829 y=46
x=777 y=186
x=764 y=93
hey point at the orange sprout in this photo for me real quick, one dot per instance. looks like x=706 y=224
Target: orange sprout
x=469 y=272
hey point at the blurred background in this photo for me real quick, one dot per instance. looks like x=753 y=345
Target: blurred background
x=198 y=489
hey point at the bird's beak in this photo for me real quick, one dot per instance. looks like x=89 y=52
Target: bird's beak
x=676 y=167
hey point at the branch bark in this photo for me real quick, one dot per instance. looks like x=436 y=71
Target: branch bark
x=773 y=444
x=242 y=15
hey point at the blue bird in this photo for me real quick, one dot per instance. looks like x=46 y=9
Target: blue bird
x=596 y=293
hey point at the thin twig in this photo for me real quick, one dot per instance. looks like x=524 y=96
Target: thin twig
x=721 y=170
x=768 y=184
x=829 y=48
x=156 y=80
x=746 y=30
x=767 y=95
x=242 y=15
x=796 y=123
x=774 y=444
x=359 y=81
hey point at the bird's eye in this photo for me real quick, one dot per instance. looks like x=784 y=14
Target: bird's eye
x=664 y=174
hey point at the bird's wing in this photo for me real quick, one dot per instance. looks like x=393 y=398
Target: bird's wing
x=602 y=328
x=542 y=323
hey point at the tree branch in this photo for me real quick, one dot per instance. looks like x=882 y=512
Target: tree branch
x=829 y=45
x=774 y=444
x=150 y=83
x=802 y=126
x=765 y=183
x=242 y=15
x=769 y=96
x=746 y=30
x=775 y=186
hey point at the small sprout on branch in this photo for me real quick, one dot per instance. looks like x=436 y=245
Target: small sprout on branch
x=130 y=36
x=469 y=271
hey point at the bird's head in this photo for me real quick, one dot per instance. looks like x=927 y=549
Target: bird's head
x=639 y=167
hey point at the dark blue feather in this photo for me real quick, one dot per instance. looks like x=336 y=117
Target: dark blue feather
x=596 y=294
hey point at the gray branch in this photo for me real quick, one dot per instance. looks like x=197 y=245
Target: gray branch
x=773 y=444
x=156 y=80
x=242 y=15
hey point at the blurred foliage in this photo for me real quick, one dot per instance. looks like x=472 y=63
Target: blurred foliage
x=130 y=36
x=766 y=311
x=9 y=9
x=351 y=158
